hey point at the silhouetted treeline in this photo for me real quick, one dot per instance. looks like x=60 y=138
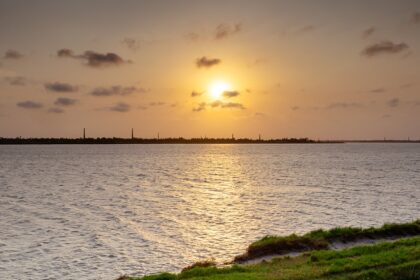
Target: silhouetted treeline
x=20 y=141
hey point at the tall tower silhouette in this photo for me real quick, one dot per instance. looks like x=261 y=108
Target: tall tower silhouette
x=132 y=133
x=84 y=133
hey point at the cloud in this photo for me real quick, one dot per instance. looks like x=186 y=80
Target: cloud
x=60 y=87
x=226 y=30
x=394 y=102
x=306 y=29
x=159 y=103
x=295 y=108
x=132 y=43
x=344 y=105
x=64 y=101
x=116 y=90
x=196 y=93
x=193 y=36
x=16 y=81
x=94 y=59
x=378 y=90
x=227 y=105
x=384 y=47
x=259 y=114
x=120 y=107
x=207 y=62
x=29 y=104
x=415 y=18
x=230 y=94
x=202 y=106
x=66 y=53
x=55 y=110
x=12 y=54
x=368 y=32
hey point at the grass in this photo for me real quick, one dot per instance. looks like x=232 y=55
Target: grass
x=386 y=260
x=322 y=239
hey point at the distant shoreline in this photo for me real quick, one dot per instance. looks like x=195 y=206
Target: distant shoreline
x=79 y=141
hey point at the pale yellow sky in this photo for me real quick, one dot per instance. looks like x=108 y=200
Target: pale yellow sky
x=317 y=69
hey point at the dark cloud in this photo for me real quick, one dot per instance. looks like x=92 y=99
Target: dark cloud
x=132 y=44
x=116 y=90
x=65 y=102
x=378 y=90
x=394 y=102
x=295 y=108
x=60 y=87
x=226 y=30
x=196 y=93
x=29 y=104
x=207 y=62
x=94 y=59
x=55 y=110
x=384 y=47
x=344 y=105
x=66 y=53
x=12 y=54
x=16 y=81
x=120 y=107
x=368 y=32
x=231 y=93
x=415 y=18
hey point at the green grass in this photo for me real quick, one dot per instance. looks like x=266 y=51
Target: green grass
x=386 y=260
x=321 y=239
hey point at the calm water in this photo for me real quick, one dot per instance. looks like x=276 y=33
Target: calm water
x=96 y=212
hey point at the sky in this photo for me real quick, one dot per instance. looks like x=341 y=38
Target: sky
x=317 y=69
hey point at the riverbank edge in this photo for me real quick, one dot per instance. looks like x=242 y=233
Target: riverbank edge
x=338 y=239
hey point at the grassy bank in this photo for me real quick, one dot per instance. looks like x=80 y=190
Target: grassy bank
x=386 y=260
x=322 y=239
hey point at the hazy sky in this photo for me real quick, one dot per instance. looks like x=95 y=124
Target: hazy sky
x=318 y=69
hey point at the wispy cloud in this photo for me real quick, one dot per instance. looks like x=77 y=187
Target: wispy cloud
x=368 y=32
x=394 y=102
x=55 y=110
x=344 y=105
x=378 y=90
x=12 y=54
x=131 y=43
x=218 y=104
x=29 y=104
x=227 y=30
x=65 y=102
x=120 y=107
x=200 y=107
x=204 y=62
x=196 y=93
x=157 y=103
x=116 y=90
x=415 y=18
x=60 y=87
x=230 y=94
x=94 y=59
x=384 y=47
x=16 y=81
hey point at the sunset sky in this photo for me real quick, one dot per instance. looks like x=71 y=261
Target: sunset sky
x=317 y=69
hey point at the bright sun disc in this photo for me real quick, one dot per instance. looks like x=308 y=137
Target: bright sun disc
x=217 y=89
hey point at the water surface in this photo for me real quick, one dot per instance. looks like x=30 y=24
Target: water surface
x=99 y=211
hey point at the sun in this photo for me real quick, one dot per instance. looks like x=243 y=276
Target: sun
x=217 y=88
